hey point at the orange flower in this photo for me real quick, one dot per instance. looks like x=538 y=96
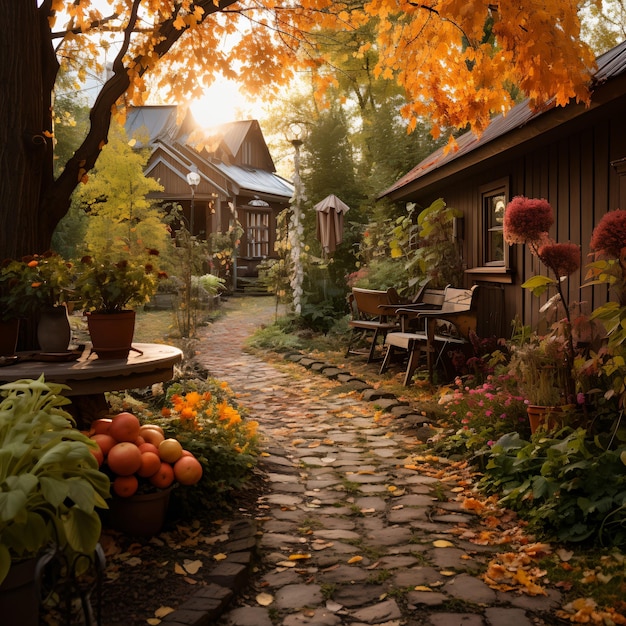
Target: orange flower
x=165 y=412
x=33 y=263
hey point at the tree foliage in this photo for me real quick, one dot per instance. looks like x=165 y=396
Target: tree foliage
x=436 y=53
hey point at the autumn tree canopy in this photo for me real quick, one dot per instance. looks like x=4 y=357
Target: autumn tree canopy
x=455 y=59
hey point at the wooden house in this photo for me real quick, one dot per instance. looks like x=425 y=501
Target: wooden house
x=238 y=180
x=574 y=156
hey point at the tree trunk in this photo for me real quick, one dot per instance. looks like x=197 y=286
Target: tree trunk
x=24 y=147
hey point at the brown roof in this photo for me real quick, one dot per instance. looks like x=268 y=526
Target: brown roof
x=609 y=65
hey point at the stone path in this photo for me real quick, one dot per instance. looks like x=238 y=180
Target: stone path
x=349 y=534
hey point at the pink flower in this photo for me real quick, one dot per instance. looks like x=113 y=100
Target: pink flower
x=609 y=236
x=562 y=258
x=526 y=219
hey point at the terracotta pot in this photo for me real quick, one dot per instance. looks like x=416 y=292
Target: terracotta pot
x=111 y=333
x=9 y=331
x=142 y=514
x=543 y=416
x=53 y=330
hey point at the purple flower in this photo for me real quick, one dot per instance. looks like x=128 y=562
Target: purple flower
x=580 y=398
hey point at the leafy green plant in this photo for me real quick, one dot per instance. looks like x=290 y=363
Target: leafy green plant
x=111 y=282
x=50 y=485
x=34 y=282
x=212 y=284
x=565 y=484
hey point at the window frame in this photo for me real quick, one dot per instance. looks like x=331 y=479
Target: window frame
x=257 y=223
x=498 y=187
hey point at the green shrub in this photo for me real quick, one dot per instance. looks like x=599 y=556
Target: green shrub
x=564 y=483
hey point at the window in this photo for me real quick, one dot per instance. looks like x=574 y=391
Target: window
x=494 y=199
x=258 y=233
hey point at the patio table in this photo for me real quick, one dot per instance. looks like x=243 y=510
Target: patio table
x=89 y=377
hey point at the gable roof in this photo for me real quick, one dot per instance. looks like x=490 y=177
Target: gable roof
x=610 y=65
x=212 y=151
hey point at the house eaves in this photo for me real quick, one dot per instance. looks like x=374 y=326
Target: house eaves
x=507 y=132
x=257 y=181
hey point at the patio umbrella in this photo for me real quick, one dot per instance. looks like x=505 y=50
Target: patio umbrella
x=330 y=212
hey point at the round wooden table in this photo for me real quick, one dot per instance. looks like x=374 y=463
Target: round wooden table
x=89 y=377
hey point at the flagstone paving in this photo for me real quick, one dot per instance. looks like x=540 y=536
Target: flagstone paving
x=347 y=531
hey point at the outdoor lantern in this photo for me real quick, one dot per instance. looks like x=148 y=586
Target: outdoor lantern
x=193 y=178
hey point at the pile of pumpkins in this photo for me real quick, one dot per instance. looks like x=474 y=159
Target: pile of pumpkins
x=130 y=451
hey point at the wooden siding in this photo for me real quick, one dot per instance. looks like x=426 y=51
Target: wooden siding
x=570 y=166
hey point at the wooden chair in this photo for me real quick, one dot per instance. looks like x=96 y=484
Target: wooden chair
x=424 y=300
x=449 y=325
x=369 y=316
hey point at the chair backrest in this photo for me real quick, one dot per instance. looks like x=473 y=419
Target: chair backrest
x=459 y=299
x=368 y=301
x=434 y=297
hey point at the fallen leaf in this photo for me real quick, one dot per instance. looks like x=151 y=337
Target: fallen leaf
x=299 y=557
x=265 y=599
x=422 y=588
x=442 y=543
x=178 y=569
x=220 y=556
x=192 y=567
x=163 y=611
x=564 y=555
x=153 y=621
x=447 y=572
x=286 y=563
x=355 y=559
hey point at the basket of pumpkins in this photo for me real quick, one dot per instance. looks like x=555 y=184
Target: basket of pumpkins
x=143 y=466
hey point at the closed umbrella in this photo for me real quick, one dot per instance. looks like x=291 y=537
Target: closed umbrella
x=330 y=212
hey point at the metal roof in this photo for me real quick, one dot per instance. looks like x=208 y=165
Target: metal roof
x=609 y=65
x=255 y=180
x=158 y=121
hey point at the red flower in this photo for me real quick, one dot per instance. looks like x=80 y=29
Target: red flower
x=562 y=258
x=527 y=219
x=609 y=236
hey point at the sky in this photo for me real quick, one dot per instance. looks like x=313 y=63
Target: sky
x=223 y=102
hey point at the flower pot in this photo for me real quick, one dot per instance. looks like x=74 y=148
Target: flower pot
x=111 y=333
x=19 y=593
x=141 y=514
x=546 y=417
x=9 y=331
x=53 y=330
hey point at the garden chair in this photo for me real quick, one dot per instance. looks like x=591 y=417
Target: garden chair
x=447 y=326
x=370 y=316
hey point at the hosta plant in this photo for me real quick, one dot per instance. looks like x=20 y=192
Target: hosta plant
x=50 y=485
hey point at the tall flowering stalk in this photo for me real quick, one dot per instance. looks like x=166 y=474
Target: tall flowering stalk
x=608 y=243
x=528 y=221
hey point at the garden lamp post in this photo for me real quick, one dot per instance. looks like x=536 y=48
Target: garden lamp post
x=193 y=179
x=295 y=134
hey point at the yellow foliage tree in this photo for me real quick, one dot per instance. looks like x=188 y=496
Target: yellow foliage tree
x=436 y=50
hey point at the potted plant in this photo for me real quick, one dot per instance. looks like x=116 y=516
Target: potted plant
x=39 y=286
x=50 y=485
x=108 y=285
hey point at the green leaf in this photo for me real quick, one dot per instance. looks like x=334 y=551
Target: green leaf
x=12 y=503
x=538 y=284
